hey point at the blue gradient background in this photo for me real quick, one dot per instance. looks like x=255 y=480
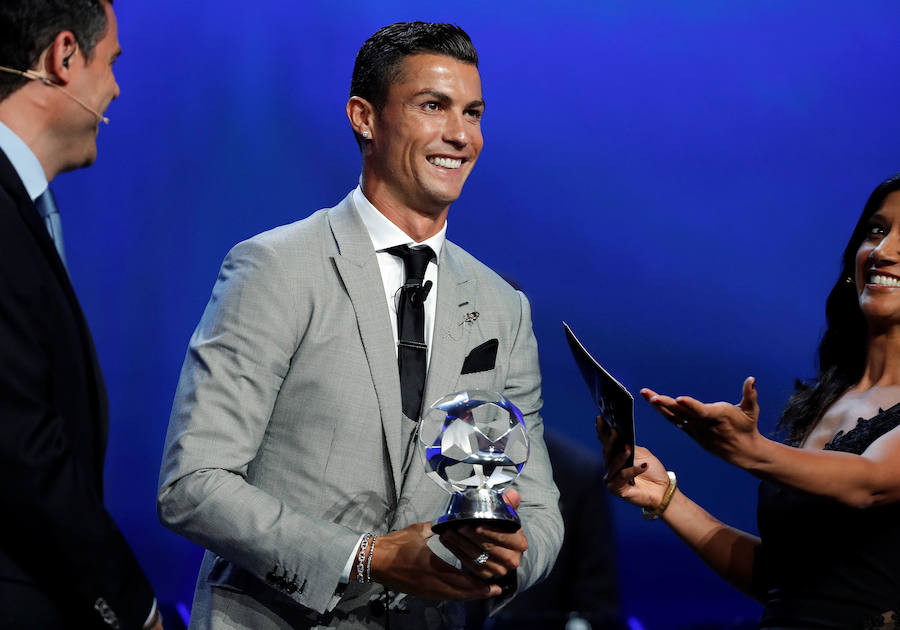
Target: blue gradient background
x=675 y=180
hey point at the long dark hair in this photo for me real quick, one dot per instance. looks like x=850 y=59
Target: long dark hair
x=842 y=351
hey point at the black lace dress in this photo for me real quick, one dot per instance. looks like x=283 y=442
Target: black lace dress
x=826 y=565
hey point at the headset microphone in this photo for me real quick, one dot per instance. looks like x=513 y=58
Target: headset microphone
x=47 y=80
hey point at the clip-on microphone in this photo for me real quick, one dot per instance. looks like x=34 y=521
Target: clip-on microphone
x=420 y=292
x=46 y=79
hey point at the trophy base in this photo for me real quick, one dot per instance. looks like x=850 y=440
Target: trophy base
x=477 y=506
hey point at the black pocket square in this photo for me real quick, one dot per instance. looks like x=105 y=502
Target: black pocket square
x=481 y=358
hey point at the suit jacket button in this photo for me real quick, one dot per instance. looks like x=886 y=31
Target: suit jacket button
x=291 y=587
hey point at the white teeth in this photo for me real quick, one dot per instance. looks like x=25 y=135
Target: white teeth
x=445 y=162
x=884 y=281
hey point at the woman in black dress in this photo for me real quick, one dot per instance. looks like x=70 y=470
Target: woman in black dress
x=828 y=555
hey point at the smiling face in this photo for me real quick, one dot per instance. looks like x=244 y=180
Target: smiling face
x=878 y=265
x=428 y=135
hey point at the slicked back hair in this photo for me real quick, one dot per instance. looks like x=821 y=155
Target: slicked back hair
x=28 y=27
x=379 y=60
x=843 y=349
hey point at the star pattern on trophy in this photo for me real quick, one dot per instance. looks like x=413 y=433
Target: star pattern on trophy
x=474 y=439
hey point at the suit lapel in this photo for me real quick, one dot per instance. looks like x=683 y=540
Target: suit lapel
x=358 y=268
x=455 y=298
x=9 y=179
x=13 y=185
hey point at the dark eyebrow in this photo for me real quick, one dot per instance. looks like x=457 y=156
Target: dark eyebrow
x=439 y=96
x=444 y=98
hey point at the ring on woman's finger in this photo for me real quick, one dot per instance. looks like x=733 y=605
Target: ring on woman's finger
x=681 y=423
x=482 y=558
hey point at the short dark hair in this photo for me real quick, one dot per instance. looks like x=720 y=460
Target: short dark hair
x=844 y=346
x=378 y=62
x=27 y=27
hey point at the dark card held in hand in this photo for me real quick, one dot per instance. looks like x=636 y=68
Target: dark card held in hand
x=614 y=402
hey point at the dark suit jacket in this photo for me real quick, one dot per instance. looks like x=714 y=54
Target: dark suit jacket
x=61 y=554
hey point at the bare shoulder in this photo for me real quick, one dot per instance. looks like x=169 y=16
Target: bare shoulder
x=852 y=411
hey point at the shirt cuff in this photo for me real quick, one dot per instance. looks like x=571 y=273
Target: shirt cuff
x=345 y=577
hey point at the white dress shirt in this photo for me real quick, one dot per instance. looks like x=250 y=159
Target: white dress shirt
x=384 y=235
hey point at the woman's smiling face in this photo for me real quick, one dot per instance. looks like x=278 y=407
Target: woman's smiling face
x=878 y=265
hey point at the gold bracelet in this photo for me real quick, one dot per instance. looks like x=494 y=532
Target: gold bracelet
x=652 y=515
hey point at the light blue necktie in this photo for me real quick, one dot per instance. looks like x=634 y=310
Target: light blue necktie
x=46 y=207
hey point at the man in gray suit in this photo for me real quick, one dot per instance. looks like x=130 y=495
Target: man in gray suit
x=290 y=453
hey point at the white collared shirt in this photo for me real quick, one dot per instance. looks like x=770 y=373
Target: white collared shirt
x=385 y=234
x=24 y=161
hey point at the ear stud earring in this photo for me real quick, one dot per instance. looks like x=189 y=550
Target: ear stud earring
x=365 y=134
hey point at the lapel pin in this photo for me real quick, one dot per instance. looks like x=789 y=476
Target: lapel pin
x=469 y=318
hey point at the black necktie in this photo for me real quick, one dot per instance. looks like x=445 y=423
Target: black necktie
x=411 y=348
x=46 y=207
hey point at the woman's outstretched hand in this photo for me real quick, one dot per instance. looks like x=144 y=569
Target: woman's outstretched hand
x=725 y=430
x=643 y=484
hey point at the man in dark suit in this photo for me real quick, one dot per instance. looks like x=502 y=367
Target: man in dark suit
x=63 y=561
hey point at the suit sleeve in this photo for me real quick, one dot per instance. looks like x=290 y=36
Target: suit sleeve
x=237 y=360
x=539 y=510
x=55 y=529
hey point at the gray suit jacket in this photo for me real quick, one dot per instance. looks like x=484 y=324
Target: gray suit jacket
x=285 y=440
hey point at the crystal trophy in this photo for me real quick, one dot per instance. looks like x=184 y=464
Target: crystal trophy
x=474 y=444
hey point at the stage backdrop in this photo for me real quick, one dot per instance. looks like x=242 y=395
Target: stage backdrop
x=675 y=180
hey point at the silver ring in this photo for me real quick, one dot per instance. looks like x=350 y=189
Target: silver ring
x=482 y=559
